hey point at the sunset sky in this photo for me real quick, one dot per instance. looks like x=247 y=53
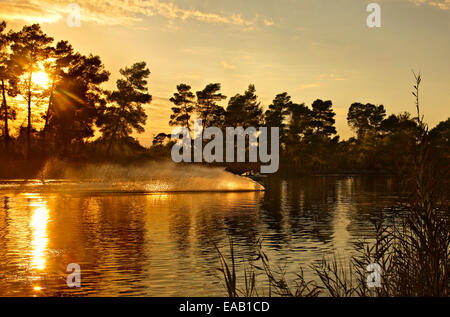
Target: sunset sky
x=309 y=48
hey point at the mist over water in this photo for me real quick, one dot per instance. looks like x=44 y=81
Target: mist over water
x=148 y=177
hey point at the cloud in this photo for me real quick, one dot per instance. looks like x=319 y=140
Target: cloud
x=308 y=86
x=441 y=4
x=268 y=22
x=28 y=12
x=112 y=12
x=225 y=65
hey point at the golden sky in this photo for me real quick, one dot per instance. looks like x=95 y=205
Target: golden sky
x=309 y=48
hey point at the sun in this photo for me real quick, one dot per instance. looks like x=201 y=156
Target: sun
x=41 y=79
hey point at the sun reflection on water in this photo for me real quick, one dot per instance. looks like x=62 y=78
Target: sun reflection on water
x=39 y=222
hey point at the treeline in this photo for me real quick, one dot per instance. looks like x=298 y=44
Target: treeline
x=308 y=136
x=72 y=117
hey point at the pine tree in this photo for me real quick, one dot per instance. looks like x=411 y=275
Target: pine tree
x=207 y=108
x=126 y=114
x=277 y=113
x=184 y=106
x=323 y=118
x=30 y=48
x=245 y=110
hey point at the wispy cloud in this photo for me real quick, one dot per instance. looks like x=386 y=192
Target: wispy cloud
x=227 y=66
x=441 y=4
x=29 y=12
x=309 y=86
x=114 y=12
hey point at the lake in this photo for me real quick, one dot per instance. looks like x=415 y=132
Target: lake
x=162 y=244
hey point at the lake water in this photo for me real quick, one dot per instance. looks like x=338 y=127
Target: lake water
x=161 y=244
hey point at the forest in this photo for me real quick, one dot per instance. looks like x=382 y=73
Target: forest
x=68 y=115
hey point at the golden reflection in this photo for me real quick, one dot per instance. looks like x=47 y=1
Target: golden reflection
x=39 y=222
x=157 y=196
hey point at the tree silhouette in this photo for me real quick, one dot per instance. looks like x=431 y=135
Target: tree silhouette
x=184 y=106
x=396 y=123
x=207 y=108
x=126 y=114
x=323 y=118
x=5 y=115
x=365 y=118
x=159 y=139
x=276 y=114
x=77 y=101
x=63 y=56
x=30 y=48
x=299 y=123
x=244 y=110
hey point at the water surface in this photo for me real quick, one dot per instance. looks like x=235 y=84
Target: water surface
x=161 y=244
